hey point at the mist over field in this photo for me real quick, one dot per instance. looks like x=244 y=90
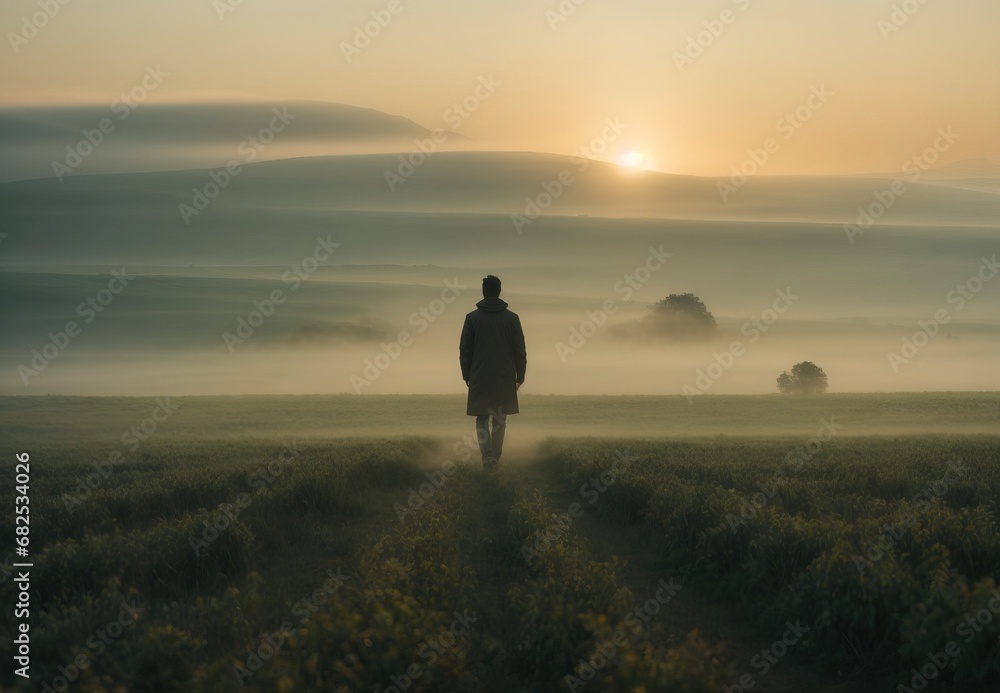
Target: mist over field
x=376 y=271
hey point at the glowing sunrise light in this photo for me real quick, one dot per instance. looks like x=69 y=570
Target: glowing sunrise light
x=630 y=158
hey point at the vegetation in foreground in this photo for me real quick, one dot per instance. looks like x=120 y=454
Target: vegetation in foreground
x=354 y=565
x=887 y=550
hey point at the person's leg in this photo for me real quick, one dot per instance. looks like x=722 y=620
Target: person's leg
x=499 y=429
x=483 y=435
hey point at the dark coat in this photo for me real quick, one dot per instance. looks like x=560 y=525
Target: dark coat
x=493 y=358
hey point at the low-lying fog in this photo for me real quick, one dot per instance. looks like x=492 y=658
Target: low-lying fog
x=355 y=257
x=396 y=330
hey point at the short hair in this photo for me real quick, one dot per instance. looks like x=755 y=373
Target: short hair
x=491 y=286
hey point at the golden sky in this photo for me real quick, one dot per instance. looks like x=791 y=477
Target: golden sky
x=895 y=70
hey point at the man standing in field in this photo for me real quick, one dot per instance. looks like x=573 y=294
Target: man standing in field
x=493 y=360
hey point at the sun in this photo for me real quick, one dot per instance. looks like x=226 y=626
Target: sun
x=633 y=159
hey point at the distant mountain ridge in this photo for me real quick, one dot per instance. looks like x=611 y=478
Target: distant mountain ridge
x=978 y=174
x=966 y=168
x=152 y=136
x=520 y=188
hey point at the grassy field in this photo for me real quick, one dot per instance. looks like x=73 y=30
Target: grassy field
x=331 y=543
x=27 y=421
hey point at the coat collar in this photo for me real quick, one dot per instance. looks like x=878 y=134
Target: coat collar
x=492 y=305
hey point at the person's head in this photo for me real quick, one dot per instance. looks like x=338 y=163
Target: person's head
x=491 y=287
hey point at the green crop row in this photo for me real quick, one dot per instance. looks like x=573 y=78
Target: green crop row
x=885 y=548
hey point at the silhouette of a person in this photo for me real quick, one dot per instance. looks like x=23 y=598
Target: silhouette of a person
x=493 y=360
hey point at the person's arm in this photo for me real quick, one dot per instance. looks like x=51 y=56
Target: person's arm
x=520 y=355
x=466 y=346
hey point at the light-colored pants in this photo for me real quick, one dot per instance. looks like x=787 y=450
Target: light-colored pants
x=491 y=441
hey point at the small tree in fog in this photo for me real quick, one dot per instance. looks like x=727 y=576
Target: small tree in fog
x=805 y=378
x=682 y=315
